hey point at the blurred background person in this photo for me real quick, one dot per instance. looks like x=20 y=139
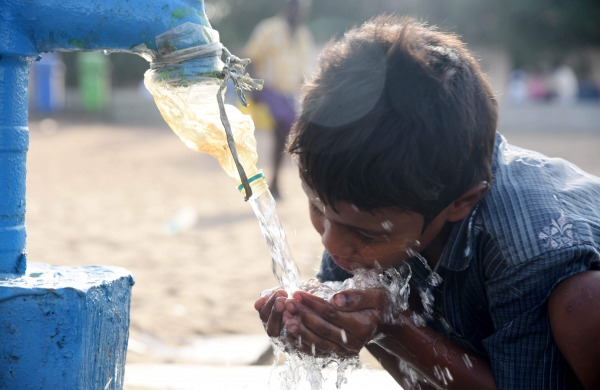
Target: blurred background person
x=517 y=87
x=280 y=48
x=565 y=86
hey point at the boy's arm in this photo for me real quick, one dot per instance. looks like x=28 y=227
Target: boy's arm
x=574 y=311
x=439 y=360
x=433 y=356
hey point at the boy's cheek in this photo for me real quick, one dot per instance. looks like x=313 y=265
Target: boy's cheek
x=317 y=222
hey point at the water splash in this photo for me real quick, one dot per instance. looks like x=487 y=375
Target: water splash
x=299 y=365
x=433 y=280
x=394 y=282
x=467 y=361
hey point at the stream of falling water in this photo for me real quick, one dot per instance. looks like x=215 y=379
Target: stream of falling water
x=297 y=365
x=284 y=267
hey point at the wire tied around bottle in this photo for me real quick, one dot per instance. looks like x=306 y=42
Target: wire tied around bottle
x=234 y=69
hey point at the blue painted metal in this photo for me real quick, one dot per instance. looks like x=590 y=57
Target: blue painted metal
x=29 y=27
x=14 y=141
x=64 y=328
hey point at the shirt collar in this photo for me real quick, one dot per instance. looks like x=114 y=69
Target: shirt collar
x=459 y=250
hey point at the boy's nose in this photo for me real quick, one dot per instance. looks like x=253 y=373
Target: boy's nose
x=337 y=241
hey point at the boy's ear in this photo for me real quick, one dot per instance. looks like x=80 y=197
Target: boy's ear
x=461 y=207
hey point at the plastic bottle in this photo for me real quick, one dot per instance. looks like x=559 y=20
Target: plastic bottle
x=186 y=96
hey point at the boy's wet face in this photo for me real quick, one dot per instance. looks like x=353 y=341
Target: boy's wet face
x=369 y=239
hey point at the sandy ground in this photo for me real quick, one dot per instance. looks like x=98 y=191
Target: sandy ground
x=102 y=194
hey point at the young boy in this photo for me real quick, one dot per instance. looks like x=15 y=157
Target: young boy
x=397 y=150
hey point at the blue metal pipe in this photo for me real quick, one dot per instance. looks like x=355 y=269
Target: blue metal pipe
x=14 y=141
x=29 y=27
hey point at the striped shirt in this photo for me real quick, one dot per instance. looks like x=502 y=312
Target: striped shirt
x=538 y=224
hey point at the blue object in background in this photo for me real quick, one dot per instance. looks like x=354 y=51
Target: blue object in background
x=48 y=84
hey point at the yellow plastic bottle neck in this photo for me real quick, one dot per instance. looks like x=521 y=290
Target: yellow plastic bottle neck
x=258 y=183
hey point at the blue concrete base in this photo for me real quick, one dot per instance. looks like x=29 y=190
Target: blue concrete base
x=64 y=327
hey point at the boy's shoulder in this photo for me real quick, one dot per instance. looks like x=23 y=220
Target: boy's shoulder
x=538 y=204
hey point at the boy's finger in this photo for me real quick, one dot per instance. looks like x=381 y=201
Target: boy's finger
x=264 y=297
x=300 y=334
x=329 y=312
x=321 y=307
x=275 y=319
x=327 y=330
x=260 y=302
x=356 y=300
x=265 y=310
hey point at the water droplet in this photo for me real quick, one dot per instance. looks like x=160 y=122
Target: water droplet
x=387 y=225
x=427 y=301
x=417 y=319
x=445 y=324
x=448 y=374
x=467 y=361
x=299 y=340
x=434 y=279
x=416 y=243
x=344 y=338
x=413 y=253
x=105 y=52
x=312 y=349
x=354 y=207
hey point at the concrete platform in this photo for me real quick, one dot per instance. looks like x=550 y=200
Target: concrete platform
x=235 y=350
x=191 y=377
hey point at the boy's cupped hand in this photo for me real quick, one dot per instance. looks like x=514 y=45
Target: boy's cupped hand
x=342 y=325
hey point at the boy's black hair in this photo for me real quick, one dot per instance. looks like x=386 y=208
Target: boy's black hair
x=398 y=115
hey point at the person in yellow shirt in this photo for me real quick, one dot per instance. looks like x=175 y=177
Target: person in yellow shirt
x=280 y=49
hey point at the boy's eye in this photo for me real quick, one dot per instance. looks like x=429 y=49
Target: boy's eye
x=362 y=237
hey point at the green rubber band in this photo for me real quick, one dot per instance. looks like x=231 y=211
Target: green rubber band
x=259 y=175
